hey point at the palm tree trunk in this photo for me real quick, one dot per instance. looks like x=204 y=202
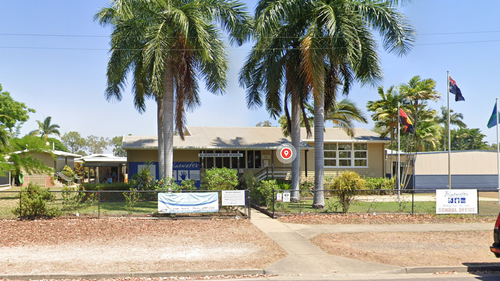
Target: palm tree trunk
x=161 y=140
x=319 y=137
x=295 y=134
x=168 y=122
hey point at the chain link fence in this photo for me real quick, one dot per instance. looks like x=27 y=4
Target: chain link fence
x=372 y=201
x=113 y=203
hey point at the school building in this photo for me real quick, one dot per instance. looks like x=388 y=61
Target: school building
x=253 y=149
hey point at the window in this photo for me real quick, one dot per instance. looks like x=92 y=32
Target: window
x=257 y=159
x=218 y=160
x=210 y=160
x=250 y=159
x=234 y=160
x=345 y=155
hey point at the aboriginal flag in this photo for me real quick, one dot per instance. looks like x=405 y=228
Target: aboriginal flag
x=404 y=120
x=454 y=89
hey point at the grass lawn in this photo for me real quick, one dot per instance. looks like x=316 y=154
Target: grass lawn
x=419 y=207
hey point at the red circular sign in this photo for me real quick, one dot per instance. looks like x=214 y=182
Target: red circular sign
x=286 y=153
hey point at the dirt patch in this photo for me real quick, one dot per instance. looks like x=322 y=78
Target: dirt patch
x=133 y=245
x=381 y=219
x=411 y=249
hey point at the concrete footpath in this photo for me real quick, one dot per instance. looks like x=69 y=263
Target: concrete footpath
x=307 y=259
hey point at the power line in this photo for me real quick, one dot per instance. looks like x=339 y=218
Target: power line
x=107 y=36
x=53 y=35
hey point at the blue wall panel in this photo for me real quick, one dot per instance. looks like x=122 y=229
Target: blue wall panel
x=480 y=182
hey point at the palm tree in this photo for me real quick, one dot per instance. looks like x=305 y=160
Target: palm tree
x=45 y=129
x=272 y=75
x=166 y=45
x=343 y=114
x=455 y=119
x=385 y=112
x=338 y=48
x=419 y=92
x=427 y=131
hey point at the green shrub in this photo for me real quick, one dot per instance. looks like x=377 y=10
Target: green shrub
x=166 y=184
x=263 y=193
x=247 y=181
x=35 y=203
x=220 y=179
x=188 y=185
x=68 y=172
x=382 y=185
x=346 y=186
x=283 y=185
x=143 y=179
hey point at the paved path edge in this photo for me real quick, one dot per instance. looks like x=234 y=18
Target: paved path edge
x=132 y=274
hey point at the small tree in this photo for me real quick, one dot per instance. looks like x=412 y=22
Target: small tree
x=346 y=186
x=34 y=203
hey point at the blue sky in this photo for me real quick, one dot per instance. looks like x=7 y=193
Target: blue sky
x=53 y=57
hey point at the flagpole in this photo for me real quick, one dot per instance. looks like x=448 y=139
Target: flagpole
x=498 y=151
x=399 y=157
x=449 y=136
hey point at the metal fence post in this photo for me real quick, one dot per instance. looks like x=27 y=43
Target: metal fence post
x=477 y=191
x=20 y=204
x=99 y=204
x=413 y=202
x=274 y=200
x=249 y=204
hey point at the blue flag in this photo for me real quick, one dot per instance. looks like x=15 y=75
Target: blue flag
x=454 y=89
x=493 y=119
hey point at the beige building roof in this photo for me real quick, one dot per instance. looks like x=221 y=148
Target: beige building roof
x=244 y=138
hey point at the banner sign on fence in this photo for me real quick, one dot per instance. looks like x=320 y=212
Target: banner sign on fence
x=458 y=201
x=233 y=198
x=172 y=203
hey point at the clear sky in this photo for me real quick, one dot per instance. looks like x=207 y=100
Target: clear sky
x=53 y=57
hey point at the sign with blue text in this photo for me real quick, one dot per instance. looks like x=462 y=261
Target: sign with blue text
x=186 y=171
x=174 y=203
x=456 y=201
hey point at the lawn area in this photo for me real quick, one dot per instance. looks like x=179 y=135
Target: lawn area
x=332 y=205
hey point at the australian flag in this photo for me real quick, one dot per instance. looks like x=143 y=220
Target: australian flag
x=454 y=89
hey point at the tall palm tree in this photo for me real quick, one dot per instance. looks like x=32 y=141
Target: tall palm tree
x=419 y=91
x=167 y=45
x=339 y=47
x=427 y=130
x=45 y=129
x=385 y=112
x=272 y=75
x=336 y=47
x=455 y=119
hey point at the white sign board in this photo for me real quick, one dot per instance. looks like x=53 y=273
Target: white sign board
x=279 y=197
x=172 y=203
x=456 y=201
x=233 y=198
x=220 y=154
x=286 y=196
